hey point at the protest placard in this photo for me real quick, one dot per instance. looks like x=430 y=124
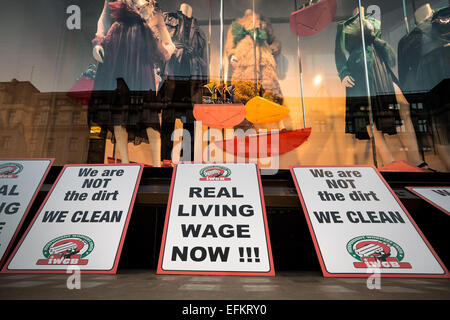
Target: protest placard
x=359 y=226
x=82 y=222
x=20 y=181
x=216 y=222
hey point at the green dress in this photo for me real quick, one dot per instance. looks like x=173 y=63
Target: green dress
x=350 y=62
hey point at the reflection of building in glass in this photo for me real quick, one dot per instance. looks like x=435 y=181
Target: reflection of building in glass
x=35 y=124
x=420 y=117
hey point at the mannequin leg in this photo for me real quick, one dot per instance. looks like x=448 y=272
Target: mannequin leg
x=188 y=142
x=154 y=139
x=121 y=136
x=381 y=145
x=167 y=128
x=407 y=138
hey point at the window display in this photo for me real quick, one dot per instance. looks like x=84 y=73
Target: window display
x=377 y=58
x=131 y=43
x=291 y=82
x=424 y=62
x=185 y=73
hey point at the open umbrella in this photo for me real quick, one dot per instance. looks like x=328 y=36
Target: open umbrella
x=288 y=140
x=219 y=114
x=313 y=18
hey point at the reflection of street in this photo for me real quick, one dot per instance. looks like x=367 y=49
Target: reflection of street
x=41 y=124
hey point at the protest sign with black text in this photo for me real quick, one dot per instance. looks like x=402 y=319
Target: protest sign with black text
x=216 y=222
x=358 y=224
x=20 y=181
x=82 y=222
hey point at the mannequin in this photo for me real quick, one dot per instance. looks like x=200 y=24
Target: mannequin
x=383 y=85
x=424 y=62
x=132 y=43
x=240 y=63
x=185 y=73
x=240 y=54
x=186 y=10
x=423 y=12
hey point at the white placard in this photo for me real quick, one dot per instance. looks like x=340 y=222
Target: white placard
x=82 y=222
x=359 y=227
x=216 y=222
x=20 y=181
x=437 y=196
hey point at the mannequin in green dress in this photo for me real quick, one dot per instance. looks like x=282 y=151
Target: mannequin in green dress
x=384 y=91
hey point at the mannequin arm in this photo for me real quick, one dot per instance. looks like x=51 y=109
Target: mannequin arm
x=274 y=43
x=103 y=25
x=159 y=28
x=339 y=53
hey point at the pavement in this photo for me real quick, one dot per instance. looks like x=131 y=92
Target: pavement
x=146 y=285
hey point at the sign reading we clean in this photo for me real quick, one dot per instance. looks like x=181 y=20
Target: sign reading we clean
x=82 y=222
x=216 y=222
x=359 y=226
x=20 y=181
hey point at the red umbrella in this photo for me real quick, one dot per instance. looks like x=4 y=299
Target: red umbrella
x=313 y=18
x=288 y=140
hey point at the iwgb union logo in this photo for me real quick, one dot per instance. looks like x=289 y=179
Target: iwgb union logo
x=376 y=252
x=10 y=170
x=67 y=250
x=215 y=173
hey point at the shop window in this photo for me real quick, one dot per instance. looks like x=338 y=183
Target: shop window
x=40 y=118
x=61 y=102
x=422 y=125
x=318 y=83
x=37 y=118
x=76 y=118
x=400 y=126
x=63 y=118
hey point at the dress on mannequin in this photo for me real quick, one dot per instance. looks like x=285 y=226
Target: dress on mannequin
x=239 y=50
x=389 y=105
x=424 y=66
x=380 y=60
x=424 y=53
x=184 y=75
x=128 y=46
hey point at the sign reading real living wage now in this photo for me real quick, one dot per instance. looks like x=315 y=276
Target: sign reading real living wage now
x=20 y=181
x=437 y=196
x=82 y=222
x=216 y=222
x=359 y=227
